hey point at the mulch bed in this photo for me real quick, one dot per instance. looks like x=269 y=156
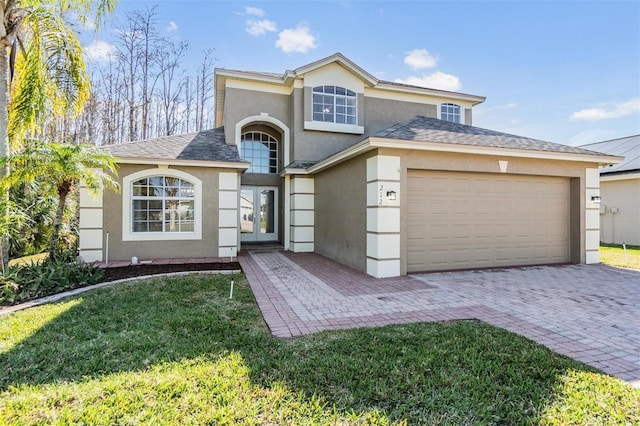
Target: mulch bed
x=132 y=271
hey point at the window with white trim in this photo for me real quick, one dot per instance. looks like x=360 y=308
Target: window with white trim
x=450 y=112
x=261 y=150
x=162 y=204
x=335 y=104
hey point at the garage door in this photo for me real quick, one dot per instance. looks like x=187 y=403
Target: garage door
x=477 y=220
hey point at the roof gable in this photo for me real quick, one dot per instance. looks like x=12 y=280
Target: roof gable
x=344 y=62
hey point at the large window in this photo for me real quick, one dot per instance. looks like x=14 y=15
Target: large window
x=261 y=150
x=334 y=104
x=450 y=112
x=162 y=204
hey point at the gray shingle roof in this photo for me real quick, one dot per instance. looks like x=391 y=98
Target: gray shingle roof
x=425 y=129
x=300 y=164
x=628 y=147
x=206 y=145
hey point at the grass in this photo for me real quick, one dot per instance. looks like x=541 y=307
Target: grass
x=177 y=350
x=614 y=255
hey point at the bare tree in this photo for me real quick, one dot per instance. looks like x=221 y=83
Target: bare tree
x=168 y=60
x=204 y=88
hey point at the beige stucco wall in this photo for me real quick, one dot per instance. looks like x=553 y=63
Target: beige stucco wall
x=240 y=104
x=206 y=247
x=620 y=211
x=374 y=114
x=576 y=171
x=341 y=213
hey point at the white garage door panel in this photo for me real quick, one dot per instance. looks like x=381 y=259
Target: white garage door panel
x=472 y=220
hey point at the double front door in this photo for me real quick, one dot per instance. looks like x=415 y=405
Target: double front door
x=259 y=213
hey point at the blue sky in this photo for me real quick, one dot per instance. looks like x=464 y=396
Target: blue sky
x=561 y=71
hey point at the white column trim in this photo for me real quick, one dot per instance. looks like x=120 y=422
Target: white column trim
x=592 y=210
x=383 y=216
x=301 y=224
x=228 y=216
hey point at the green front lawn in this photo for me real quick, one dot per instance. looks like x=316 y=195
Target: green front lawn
x=615 y=255
x=177 y=350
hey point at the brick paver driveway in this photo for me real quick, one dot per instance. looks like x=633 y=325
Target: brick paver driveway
x=588 y=312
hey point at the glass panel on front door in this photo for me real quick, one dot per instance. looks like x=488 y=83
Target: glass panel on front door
x=258 y=214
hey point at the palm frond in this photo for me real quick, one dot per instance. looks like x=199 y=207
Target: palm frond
x=51 y=77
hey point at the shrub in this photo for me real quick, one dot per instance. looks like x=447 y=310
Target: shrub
x=39 y=279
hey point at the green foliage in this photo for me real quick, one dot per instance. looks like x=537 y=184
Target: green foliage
x=32 y=236
x=56 y=170
x=39 y=279
x=50 y=75
x=178 y=351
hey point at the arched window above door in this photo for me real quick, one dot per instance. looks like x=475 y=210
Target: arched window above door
x=261 y=150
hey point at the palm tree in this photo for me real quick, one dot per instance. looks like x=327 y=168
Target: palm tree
x=60 y=168
x=49 y=75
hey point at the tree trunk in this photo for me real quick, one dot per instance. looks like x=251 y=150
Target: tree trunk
x=4 y=139
x=53 y=244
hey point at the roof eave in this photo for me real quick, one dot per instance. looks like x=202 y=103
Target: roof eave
x=473 y=99
x=608 y=177
x=242 y=165
x=488 y=150
x=373 y=142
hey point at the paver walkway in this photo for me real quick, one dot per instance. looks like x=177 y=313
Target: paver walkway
x=588 y=312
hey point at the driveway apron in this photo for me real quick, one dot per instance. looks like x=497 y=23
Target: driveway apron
x=588 y=312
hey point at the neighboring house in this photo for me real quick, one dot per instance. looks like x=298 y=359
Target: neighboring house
x=384 y=177
x=620 y=191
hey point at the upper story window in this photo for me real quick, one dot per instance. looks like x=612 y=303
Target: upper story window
x=450 y=112
x=261 y=150
x=334 y=104
x=162 y=204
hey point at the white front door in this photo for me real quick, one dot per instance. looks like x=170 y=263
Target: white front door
x=259 y=213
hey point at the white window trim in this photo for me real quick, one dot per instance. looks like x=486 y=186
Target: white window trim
x=325 y=126
x=461 y=112
x=127 y=219
x=331 y=126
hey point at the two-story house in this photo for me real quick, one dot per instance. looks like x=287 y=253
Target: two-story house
x=384 y=177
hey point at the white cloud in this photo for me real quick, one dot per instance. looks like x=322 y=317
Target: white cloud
x=256 y=28
x=299 y=39
x=608 y=110
x=419 y=59
x=172 y=27
x=253 y=11
x=99 y=51
x=436 y=80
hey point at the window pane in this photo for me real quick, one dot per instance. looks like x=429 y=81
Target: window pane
x=155 y=226
x=171 y=204
x=140 y=227
x=340 y=90
x=329 y=89
x=259 y=153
